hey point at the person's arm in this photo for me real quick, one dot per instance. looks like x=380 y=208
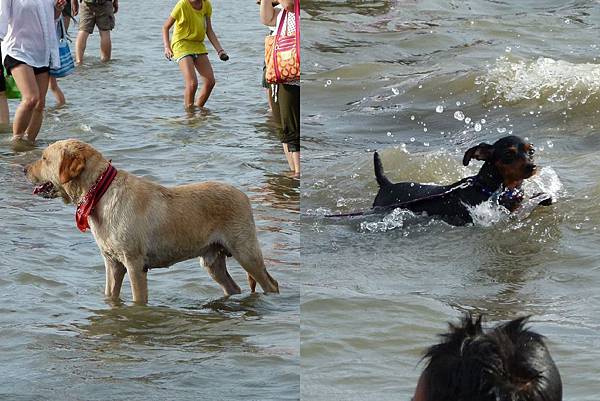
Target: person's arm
x=268 y=13
x=58 y=7
x=115 y=6
x=74 y=7
x=166 y=41
x=212 y=36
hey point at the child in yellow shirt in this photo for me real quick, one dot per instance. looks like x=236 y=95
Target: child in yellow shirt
x=192 y=23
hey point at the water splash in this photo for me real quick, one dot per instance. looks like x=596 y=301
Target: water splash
x=391 y=221
x=490 y=213
x=543 y=79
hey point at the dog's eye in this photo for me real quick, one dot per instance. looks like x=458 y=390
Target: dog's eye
x=531 y=151
x=508 y=156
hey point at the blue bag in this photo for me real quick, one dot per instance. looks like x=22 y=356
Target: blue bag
x=67 y=66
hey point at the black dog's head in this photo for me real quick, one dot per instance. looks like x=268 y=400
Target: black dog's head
x=511 y=157
x=506 y=363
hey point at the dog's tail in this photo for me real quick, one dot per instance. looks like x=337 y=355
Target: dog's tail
x=382 y=180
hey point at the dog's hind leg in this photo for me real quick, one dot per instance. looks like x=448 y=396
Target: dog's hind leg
x=251 y=283
x=115 y=271
x=214 y=262
x=251 y=259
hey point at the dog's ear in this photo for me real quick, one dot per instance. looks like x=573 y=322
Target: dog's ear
x=70 y=166
x=483 y=151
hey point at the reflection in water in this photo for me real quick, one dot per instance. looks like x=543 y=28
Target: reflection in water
x=164 y=327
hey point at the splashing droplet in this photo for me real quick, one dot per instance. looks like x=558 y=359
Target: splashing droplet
x=439 y=109
x=459 y=115
x=477 y=127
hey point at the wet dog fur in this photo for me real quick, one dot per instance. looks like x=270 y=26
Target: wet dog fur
x=507 y=163
x=139 y=224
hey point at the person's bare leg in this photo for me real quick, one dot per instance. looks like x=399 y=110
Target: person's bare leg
x=296 y=161
x=4 y=114
x=105 y=46
x=58 y=93
x=80 y=45
x=205 y=70
x=186 y=65
x=288 y=156
x=30 y=95
x=37 y=116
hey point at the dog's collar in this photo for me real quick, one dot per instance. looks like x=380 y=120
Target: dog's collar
x=89 y=201
x=486 y=190
x=503 y=194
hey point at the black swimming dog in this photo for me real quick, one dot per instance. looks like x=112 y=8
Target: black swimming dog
x=508 y=162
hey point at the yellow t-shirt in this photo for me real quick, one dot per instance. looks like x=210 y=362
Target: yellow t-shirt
x=190 y=28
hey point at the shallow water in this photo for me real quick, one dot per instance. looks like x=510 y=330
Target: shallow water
x=421 y=82
x=189 y=343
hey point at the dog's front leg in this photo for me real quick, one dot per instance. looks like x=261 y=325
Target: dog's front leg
x=138 y=279
x=115 y=271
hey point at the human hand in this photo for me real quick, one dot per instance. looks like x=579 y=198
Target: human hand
x=222 y=55
x=60 y=4
x=168 y=53
x=74 y=7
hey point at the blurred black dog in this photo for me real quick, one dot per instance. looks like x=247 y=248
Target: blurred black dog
x=508 y=162
x=506 y=363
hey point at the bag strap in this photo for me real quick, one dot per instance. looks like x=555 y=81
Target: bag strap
x=277 y=35
x=297 y=18
x=281 y=20
x=62 y=28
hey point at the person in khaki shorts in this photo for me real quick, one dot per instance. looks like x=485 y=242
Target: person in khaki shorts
x=100 y=13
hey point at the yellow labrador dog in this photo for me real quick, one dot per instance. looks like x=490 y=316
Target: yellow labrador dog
x=139 y=225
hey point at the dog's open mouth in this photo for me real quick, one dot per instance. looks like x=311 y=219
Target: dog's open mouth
x=45 y=190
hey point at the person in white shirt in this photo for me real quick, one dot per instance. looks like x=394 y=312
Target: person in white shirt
x=29 y=49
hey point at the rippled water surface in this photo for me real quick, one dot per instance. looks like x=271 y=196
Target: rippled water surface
x=422 y=81
x=59 y=338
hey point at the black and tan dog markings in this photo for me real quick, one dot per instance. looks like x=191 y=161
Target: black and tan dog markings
x=507 y=163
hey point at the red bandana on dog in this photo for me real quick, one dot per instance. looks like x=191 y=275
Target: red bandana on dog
x=92 y=197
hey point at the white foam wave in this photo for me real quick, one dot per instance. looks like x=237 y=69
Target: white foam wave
x=542 y=79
